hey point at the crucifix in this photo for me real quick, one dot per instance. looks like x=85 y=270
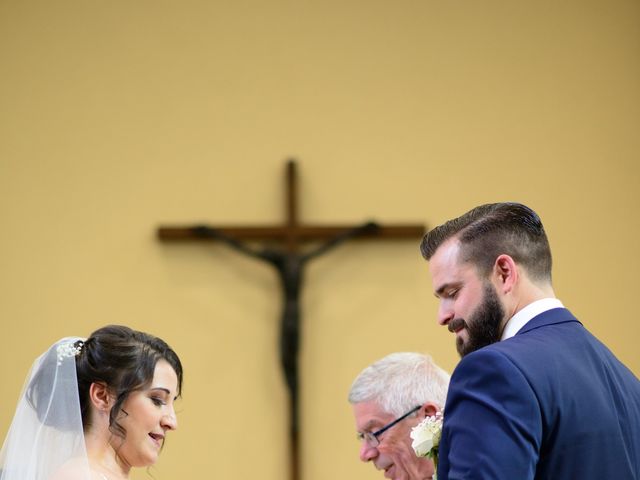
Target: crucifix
x=289 y=262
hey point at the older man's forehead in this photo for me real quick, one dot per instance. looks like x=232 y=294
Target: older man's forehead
x=369 y=416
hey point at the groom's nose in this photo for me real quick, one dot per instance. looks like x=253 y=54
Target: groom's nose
x=445 y=312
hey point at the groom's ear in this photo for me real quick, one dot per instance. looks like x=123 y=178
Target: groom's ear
x=429 y=409
x=505 y=273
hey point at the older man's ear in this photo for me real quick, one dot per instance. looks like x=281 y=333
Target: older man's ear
x=429 y=409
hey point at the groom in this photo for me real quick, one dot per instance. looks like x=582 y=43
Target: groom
x=535 y=396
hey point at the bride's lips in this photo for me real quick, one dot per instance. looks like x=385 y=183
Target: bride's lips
x=157 y=438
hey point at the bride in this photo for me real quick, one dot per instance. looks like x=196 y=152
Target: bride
x=93 y=409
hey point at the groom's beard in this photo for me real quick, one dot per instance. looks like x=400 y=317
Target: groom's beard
x=484 y=325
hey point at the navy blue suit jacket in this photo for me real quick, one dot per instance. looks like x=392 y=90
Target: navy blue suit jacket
x=552 y=402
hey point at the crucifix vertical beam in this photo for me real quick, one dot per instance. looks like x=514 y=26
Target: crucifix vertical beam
x=292 y=207
x=289 y=264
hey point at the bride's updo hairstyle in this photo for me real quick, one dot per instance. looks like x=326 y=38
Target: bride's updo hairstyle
x=124 y=360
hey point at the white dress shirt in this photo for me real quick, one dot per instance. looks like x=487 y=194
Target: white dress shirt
x=521 y=318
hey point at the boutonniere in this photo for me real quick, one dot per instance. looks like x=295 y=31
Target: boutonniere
x=426 y=438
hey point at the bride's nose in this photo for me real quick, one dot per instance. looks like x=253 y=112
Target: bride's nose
x=169 y=421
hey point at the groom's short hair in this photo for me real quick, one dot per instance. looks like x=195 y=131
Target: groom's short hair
x=490 y=230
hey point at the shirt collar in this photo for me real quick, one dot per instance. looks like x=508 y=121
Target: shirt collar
x=521 y=318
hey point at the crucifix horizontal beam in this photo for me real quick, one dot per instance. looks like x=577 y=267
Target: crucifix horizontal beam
x=292 y=232
x=302 y=233
x=289 y=264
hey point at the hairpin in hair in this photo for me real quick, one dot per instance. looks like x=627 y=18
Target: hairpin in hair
x=68 y=350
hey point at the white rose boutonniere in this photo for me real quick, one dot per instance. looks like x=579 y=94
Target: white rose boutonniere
x=426 y=438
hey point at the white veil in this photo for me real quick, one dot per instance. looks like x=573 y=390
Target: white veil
x=46 y=431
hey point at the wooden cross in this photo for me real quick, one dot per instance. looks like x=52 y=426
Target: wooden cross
x=289 y=264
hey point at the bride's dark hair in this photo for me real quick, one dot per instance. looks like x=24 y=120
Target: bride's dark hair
x=124 y=360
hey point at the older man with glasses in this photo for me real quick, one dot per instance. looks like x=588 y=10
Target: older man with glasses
x=389 y=398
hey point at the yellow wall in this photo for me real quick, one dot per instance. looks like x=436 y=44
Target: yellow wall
x=116 y=116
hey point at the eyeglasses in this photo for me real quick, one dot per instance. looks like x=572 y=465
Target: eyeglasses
x=372 y=437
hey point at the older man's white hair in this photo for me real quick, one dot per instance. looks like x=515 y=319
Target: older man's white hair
x=401 y=381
